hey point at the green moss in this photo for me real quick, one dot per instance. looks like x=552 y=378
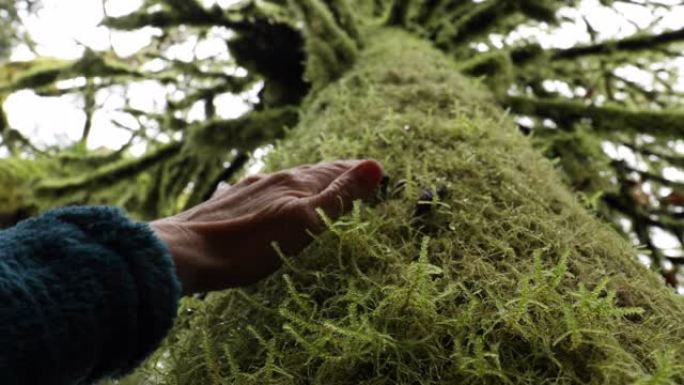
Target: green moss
x=42 y=73
x=30 y=73
x=105 y=177
x=542 y=10
x=506 y=280
x=345 y=18
x=586 y=167
x=330 y=50
x=475 y=22
x=246 y=132
x=495 y=67
x=609 y=118
x=635 y=43
x=15 y=178
x=399 y=12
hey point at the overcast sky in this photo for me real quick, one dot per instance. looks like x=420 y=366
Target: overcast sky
x=58 y=33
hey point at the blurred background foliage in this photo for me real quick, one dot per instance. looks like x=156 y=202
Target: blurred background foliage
x=11 y=31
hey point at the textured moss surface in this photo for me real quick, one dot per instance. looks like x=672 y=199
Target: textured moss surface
x=506 y=279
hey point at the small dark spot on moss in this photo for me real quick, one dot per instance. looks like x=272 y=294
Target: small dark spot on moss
x=426 y=199
x=388 y=189
x=556 y=206
x=322 y=106
x=394 y=76
x=384 y=187
x=356 y=81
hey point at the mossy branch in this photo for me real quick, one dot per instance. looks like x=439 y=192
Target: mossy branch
x=206 y=170
x=632 y=203
x=603 y=119
x=435 y=15
x=428 y=9
x=527 y=53
x=496 y=67
x=226 y=174
x=330 y=50
x=233 y=85
x=15 y=141
x=4 y=124
x=540 y=10
x=399 y=12
x=42 y=73
x=80 y=160
x=641 y=222
x=107 y=176
x=172 y=18
x=482 y=18
x=649 y=176
x=345 y=18
x=15 y=197
x=271 y=45
x=479 y=19
x=244 y=133
x=191 y=7
x=6 y=133
x=89 y=109
x=674 y=160
x=635 y=43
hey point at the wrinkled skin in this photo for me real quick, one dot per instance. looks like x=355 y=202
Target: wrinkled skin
x=227 y=240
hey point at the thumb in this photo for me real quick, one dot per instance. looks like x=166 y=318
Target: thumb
x=359 y=182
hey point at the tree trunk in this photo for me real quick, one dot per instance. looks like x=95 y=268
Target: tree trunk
x=498 y=275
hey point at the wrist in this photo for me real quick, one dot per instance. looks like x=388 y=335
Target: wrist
x=183 y=247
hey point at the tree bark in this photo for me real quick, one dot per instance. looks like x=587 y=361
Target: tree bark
x=501 y=276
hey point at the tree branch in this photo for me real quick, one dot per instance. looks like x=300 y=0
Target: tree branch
x=331 y=51
x=398 y=15
x=671 y=159
x=107 y=176
x=639 y=42
x=165 y=19
x=480 y=19
x=89 y=109
x=603 y=119
x=244 y=133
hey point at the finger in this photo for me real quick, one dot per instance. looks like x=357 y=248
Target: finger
x=359 y=182
x=319 y=176
x=306 y=180
x=250 y=180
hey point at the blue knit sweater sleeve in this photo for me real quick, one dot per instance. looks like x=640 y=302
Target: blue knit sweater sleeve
x=84 y=293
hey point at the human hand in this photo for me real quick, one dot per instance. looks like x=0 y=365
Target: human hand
x=226 y=241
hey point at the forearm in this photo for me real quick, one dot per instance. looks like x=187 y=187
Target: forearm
x=85 y=293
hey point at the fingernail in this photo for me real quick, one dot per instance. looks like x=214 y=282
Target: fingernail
x=371 y=172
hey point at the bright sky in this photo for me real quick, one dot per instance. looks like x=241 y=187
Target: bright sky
x=59 y=34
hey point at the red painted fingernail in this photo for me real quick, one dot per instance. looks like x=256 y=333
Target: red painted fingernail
x=371 y=172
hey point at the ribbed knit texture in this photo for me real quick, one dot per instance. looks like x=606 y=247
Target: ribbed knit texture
x=84 y=293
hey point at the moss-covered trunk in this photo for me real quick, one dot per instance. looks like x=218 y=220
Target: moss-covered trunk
x=501 y=277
